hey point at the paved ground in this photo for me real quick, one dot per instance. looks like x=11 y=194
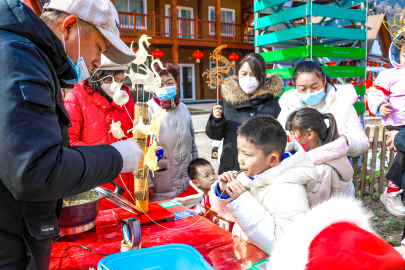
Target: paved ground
x=202 y=106
x=200 y=121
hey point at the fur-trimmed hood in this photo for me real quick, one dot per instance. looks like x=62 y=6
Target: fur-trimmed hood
x=234 y=94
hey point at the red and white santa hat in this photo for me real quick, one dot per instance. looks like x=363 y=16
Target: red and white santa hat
x=334 y=235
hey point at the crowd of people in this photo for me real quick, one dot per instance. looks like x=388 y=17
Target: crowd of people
x=284 y=182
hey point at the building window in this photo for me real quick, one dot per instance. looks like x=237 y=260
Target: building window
x=185 y=24
x=227 y=19
x=126 y=21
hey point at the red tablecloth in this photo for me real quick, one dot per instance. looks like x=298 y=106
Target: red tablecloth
x=220 y=248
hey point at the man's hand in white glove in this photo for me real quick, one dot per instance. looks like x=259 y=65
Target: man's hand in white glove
x=131 y=155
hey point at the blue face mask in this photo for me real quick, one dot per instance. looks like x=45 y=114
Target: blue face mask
x=313 y=98
x=80 y=68
x=166 y=93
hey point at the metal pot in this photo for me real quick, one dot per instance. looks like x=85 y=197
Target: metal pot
x=84 y=211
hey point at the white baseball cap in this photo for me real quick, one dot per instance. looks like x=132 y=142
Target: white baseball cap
x=107 y=64
x=103 y=15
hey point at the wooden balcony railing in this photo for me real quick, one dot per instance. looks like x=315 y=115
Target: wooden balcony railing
x=132 y=23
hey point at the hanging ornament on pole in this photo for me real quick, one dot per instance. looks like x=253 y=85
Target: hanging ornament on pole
x=215 y=75
x=385 y=65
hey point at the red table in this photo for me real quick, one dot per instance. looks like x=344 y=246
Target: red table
x=220 y=248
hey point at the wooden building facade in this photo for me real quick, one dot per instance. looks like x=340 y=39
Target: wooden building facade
x=200 y=25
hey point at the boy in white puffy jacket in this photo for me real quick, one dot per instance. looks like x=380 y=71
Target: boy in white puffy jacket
x=270 y=192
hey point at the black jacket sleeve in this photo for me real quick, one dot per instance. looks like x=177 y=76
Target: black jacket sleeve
x=215 y=129
x=33 y=164
x=399 y=141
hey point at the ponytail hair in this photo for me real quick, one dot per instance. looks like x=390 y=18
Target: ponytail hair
x=306 y=119
x=309 y=67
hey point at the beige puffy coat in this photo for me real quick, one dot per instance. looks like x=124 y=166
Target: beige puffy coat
x=177 y=139
x=333 y=166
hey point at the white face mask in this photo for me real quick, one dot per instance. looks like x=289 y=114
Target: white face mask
x=249 y=84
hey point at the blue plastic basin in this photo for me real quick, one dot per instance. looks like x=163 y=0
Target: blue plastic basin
x=167 y=257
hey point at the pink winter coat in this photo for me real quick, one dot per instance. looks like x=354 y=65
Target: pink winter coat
x=333 y=166
x=91 y=115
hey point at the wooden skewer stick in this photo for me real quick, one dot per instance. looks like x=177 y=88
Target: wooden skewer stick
x=217 y=85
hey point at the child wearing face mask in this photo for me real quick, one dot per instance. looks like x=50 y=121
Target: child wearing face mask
x=270 y=191
x=92 y=110
x=386 y=100
x=177 y=138
x=326 y=150
x=253 y=92
x=314 y=89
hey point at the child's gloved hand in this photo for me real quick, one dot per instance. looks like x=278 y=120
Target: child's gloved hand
x=225 y=178
x=235 y=189
x=385 y=109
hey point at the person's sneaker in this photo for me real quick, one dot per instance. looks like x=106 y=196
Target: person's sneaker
x=393 y=203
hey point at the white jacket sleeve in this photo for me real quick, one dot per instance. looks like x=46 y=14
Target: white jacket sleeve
x=358 y=141
x=282 y=117
x=261 y=227
x=220 y=205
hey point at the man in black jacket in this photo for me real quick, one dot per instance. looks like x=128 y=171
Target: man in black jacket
x=37 y=166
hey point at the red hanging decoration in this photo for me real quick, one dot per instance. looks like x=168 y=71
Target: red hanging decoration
x=135 y=50
x=348 y=62
x=368 y=63
x=233 y=57
x=331 y=64
x=376 y=64
x=198 y=55
x=157 y=54
x=385 y=65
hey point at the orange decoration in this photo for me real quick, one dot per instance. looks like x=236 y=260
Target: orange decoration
x=331 y=64
x=135 y=50
x=385 y=65
x=376 y=64
x=368 y=63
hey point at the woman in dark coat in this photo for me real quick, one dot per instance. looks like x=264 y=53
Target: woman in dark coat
x=251 y=93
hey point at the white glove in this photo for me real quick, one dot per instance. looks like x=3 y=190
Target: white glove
x=131 y=155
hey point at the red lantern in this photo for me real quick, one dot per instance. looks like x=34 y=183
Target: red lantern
x=135 y=50
x=233 y=57
x=198 y=55
x=157 y=54
x=376 y=64
x=368 y=63
x=385 y=65
x=348 y=62
x=331 y=64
